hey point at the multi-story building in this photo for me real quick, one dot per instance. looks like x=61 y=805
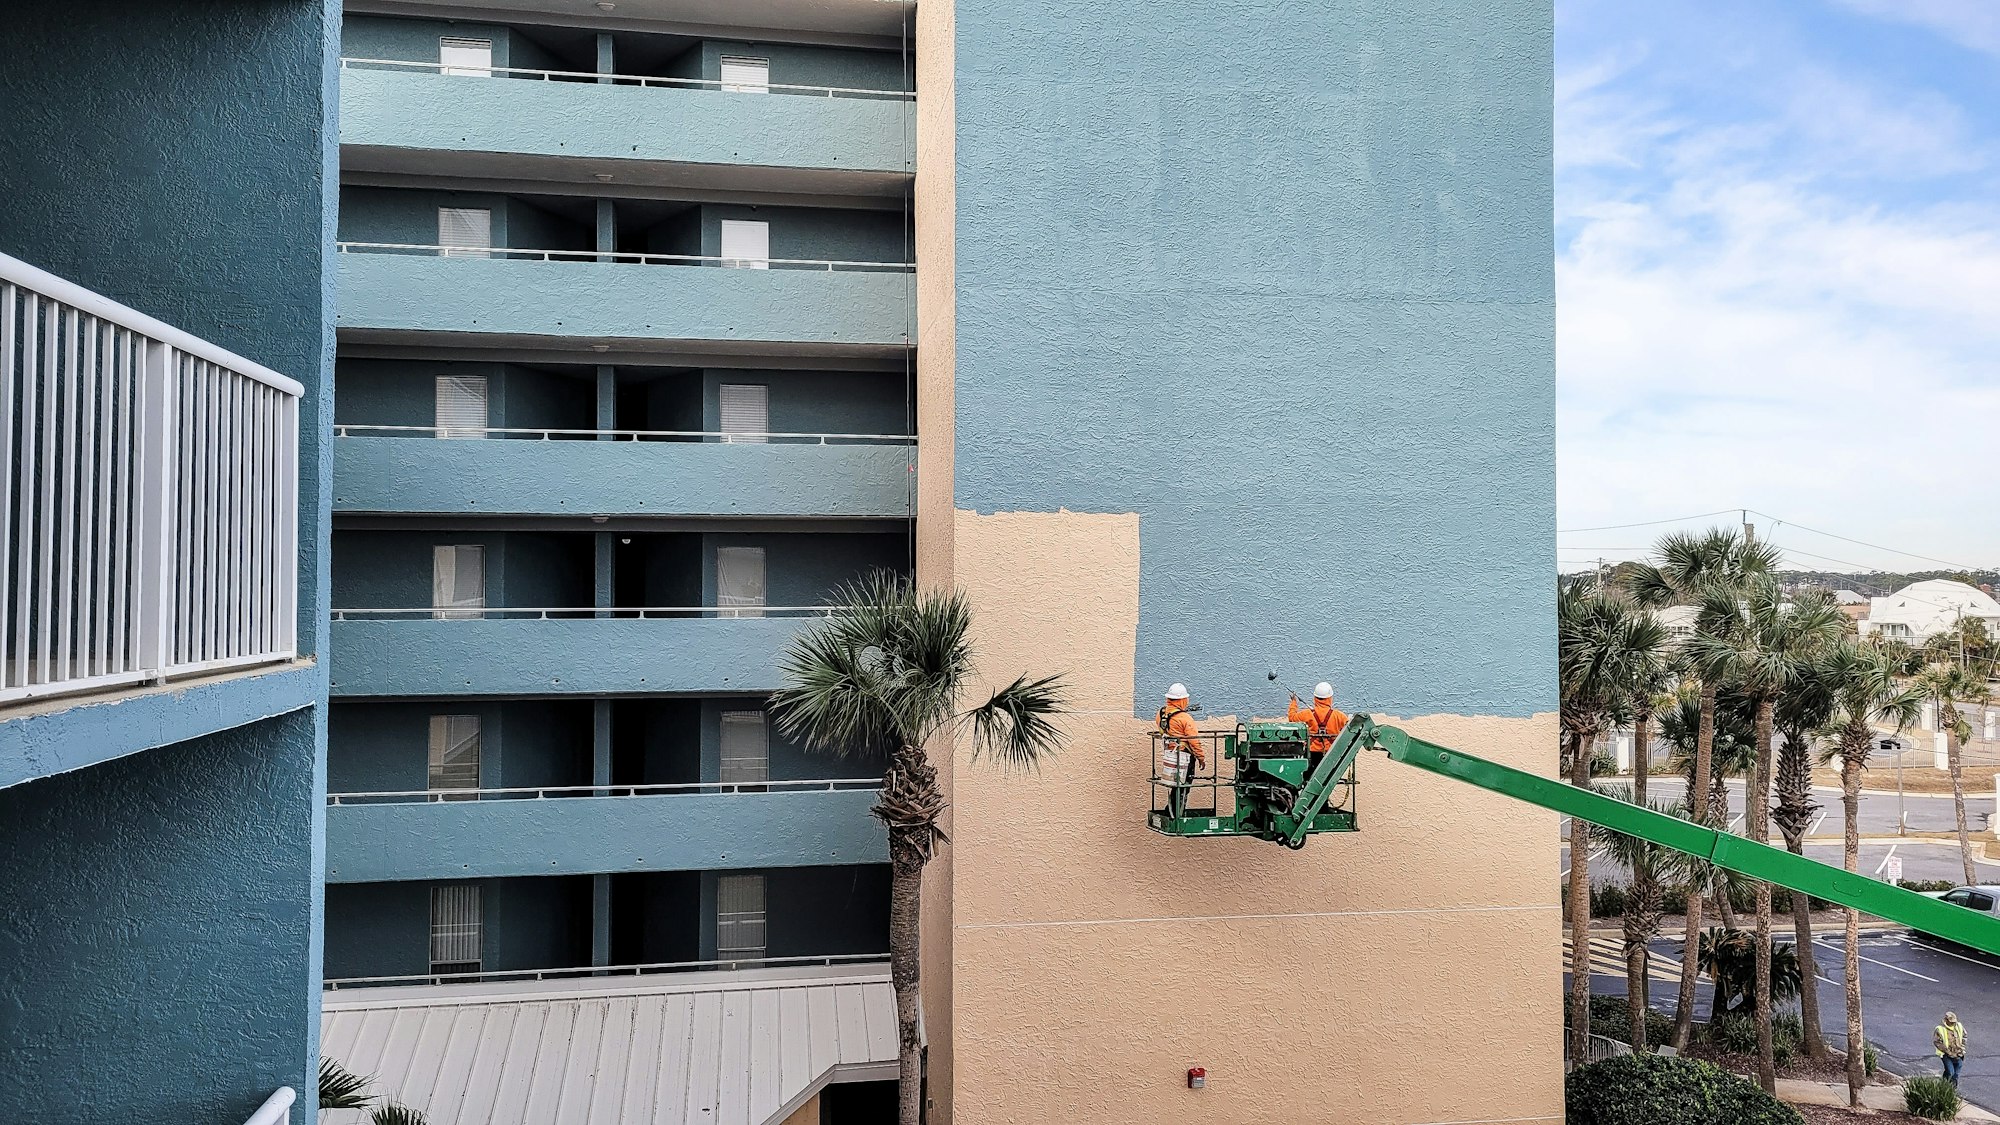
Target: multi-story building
x=165 y=337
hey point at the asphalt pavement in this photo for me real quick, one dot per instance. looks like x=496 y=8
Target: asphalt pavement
x=1922 y=859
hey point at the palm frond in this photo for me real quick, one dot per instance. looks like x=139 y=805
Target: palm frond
x=396 y=1114
x=341 y=1088
x=1014 y=726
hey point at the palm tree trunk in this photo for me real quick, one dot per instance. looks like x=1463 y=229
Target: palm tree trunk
x=1704 y=746
x=1582 y=744
x=1815 y=1040
x=1796 y=809
x=1853 y=749
x=1952 y=757
x=905 y=890
x=1637 y=986
x=1758 y=799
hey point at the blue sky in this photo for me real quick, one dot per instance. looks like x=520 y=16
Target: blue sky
x=1778 y=273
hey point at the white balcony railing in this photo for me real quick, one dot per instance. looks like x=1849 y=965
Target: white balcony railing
x=523 y=254
x=722 y=437
x=589 y=76
x=686 y=788
x=337 y=983
x=148 y=497
x=277 y=1109
x=577 y=613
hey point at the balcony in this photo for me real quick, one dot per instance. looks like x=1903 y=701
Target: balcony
x=505 y=122
x=151 y=484
x=497 y=833
x=395 y=470
x=408 y=293
x=672 y=651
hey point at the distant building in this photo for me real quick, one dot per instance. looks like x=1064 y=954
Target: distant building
x=1922 y=610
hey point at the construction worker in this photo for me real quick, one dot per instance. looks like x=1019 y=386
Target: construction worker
x=1182 y=754
x=1948 y=1039
x=1323 y=720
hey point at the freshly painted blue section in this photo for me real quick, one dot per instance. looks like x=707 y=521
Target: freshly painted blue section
x=527 y=477
x=589 y=835
x=1282 y=286
x=622 y=300
x=158 y=954
x=99 y=729
x=453 y=113
x=559 y=657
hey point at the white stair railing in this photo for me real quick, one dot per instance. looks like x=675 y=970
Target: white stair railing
x=276 y=1110
x=148 y=497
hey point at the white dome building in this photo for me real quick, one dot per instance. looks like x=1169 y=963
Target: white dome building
x=1922 y=610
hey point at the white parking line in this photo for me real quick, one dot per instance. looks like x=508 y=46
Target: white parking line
x=1814 y=830
x=1872 y=961
x=1886 y=858
x=1734 y=823
x=1946 y=952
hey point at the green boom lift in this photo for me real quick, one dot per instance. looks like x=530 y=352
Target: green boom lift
x=1282 y=792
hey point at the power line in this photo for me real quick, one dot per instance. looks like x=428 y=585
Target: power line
x=1646 y=523
x=1862 y=543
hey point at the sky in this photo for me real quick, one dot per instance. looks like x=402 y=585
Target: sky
x=1778 y=276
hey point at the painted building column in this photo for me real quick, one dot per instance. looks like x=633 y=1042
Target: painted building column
x=607 y=401
x=600 y=774
x=604 y=59
x=607 y=227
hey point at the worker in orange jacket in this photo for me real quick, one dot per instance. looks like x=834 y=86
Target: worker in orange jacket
x=1323 y=720
x=1182 y=754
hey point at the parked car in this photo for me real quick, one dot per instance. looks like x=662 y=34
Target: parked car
x=1983 y=897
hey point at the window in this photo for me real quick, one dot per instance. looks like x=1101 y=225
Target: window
x=746 y=244
x=739 y=581
x=740 y=918
x=454 y=752
x=746 y=748
x=461 y=406
x=458 y=581
x=470 y=57
x=1980 y=902
x=1959 y=898
x=457 y=927
x=742 y=74
x=465 y=232
x=746 y=412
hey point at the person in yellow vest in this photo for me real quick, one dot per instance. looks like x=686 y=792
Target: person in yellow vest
x=1948 y=1039
x=1323 y=720
x=1181 y=752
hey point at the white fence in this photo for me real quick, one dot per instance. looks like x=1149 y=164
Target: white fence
x=148 y=497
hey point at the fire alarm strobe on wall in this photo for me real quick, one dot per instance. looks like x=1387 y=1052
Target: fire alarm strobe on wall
x=1197 y=1077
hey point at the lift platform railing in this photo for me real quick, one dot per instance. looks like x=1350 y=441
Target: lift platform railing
x=1256 y=780
x=1186 y=790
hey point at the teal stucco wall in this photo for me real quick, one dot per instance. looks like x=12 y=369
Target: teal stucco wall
x=381 y=747
x=1280 y=281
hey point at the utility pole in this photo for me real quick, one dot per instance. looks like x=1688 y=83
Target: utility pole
x=1749 y=529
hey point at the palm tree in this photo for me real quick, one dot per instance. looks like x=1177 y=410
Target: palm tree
x=1642 y=905
x=341 y=1088
x=1691 y=565
x=1763 y=642
x=1947 y=686
x=1604 y=648
x=1802 y=709
x=1863 y=687
x=884 y=673
x=1732 y=754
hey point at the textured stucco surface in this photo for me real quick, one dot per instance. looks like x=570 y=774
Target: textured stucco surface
x=1279 y=279
x=389 y=109
x=591 y=835
x=1093 y=961
x=621 y=300
x=524 y=476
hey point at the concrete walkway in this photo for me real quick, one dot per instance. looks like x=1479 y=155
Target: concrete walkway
x=1798 y=1091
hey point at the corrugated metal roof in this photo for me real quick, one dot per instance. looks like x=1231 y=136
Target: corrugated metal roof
x=738 y=1048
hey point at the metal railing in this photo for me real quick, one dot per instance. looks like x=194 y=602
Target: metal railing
x=691 y=436
x=334 y=985
x=607 y=78
x=276 y=1110
x=697 y=788
x=512 y=253
x=578 y=613
x=148 y=497
x=1598 y=1049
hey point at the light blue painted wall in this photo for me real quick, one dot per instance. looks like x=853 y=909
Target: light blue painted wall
x=385 y=747
x=1283 y=286
x=377 y=929
x=385 y=37
x=623 y=300
x=368 y=843
x=619 y=656
x=392 y=569
x=453 y=113
x=394 y=392
x=520 y=476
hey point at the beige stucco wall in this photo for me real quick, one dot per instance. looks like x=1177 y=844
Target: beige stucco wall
x=1406 y=973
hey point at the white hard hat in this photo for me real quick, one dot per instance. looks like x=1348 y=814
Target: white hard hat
x=1177 y=691
x=1323 y=690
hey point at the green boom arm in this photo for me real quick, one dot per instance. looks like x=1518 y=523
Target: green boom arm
x=1726 y=850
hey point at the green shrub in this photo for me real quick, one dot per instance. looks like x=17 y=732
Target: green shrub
x=1788 y=1031
x=1674 y=900
x=1611 y=1017
x=1667 y=1090
x=1869 y=1058
x=1926 y=884
x=1736 y=1034
x=1930 y=1096
x=1607 y=901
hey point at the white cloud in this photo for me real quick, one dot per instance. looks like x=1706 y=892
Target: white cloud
x=1970 y=23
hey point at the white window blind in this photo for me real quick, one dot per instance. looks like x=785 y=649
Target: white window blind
x=746 y=748
x=739 y=581
x=746 y=244
x=461 y=406
x=457 y=927
x=470 y=57
x=458 y=580
x=746 y=412
x=465 y=232
x=454 y=762
x=740 y=920
x=742 y=74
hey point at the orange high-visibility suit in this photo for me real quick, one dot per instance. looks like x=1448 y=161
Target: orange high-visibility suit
x=1323 y=722
x=1180 y=730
